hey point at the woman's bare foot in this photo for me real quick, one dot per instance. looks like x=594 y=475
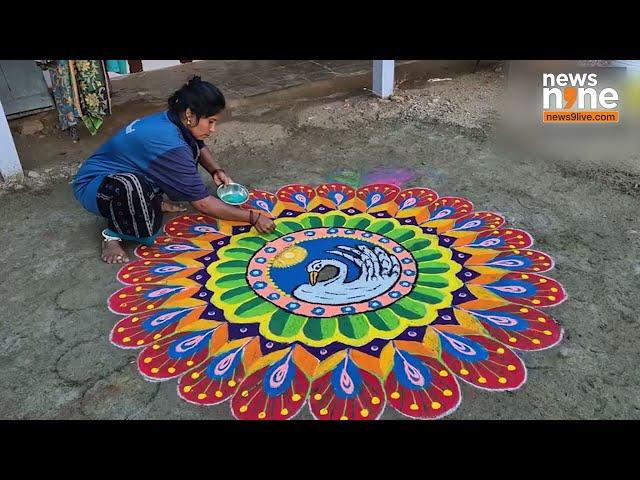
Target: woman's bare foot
x=168 y=207
x=112 y=252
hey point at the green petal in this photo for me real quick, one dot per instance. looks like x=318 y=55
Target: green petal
x=435 y=281
x=381 y=227
x=237 y=295
x=253 y=243
x=231 y=281
x=358 y=222
x=427 y=295
x=353 y=326
x=286 y=227
x=383 y=319
x=320 y=328
x=433 y=267
x=255 y=307
x=239 y=253
x=409 y=309
x=427 y=255
x=312 y=221
x=285 y=324
x=333 y=221
x=232 y=266
x=401 y=235
x=417 y=244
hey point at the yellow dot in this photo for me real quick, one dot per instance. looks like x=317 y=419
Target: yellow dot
x=414 y=406
x=513 y=339
x=542 y=280
x=447 y=393
x=231 y=383
x=317 y=396
x=195 y=375
x=245 y=393
x=179 y=234
x=157 y=336
x=202 y=396
x=148 y=360
x=136 y=279
x=551 y=297
x=218 y=394
x=343 y=417
x=126 y=339
x=536 y=269
x=535 y=301
x=482 y=380
x=547 y=332
x=364 y=412
x=524 y=310
x=156 y=255
x=155 y=370
x=502 y=380
x=126 y=275
x=542 y=319
x=546 y=264
x=464 y=371
x=520 y=243
x=511 y=368
x=524 y=277
x=189 y=363
x=535 y=341
x=138 y=289
x=395 y=395
x=500 y=350
x=151 y=306
x=324 y=411
x=435 y=405
x=509 y=232
x=134 y=309
x=139 y=342
x=519 y=237
x=122 y=295
x=243 y=408
x=296 y=397
x=529 y=253
x=187 y=389
x=444 y=373
x=284 y=412
x=512 y=246
x=147 y=262
x=199 y=218
x=516 y=252
x=121 y=329
x=375 y=400
x=145 y=253
x=156 y=347
x=147 y=279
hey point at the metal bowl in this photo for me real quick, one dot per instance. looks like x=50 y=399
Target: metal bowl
x=233 y=194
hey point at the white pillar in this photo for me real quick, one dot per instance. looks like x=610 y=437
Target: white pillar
x=10 y=167
x=383 y=77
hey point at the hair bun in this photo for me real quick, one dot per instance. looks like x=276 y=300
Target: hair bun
x=194 y=80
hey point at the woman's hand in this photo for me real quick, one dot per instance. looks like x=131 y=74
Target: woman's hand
x=220 y=177
x=265 y=225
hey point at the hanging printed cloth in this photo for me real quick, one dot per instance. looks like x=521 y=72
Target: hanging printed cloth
x=80 y=90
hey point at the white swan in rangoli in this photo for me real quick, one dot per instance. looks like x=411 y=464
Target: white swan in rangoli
x=379 y=272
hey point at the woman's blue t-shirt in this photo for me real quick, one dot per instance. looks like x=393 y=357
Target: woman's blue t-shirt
x=158 y=147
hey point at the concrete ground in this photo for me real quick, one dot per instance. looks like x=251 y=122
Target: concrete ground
x=56 y=361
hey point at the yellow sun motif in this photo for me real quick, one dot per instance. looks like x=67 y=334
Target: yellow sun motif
x=289 y=256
